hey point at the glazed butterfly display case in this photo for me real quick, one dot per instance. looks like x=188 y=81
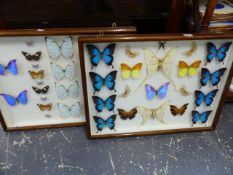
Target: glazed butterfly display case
x=40 y=77
x=152 y=84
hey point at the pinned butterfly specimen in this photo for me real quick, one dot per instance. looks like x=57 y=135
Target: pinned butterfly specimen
x=183 y=91
x=43 y=98
x=11 y=67
x=12 y=101
x=202 y=98
x=203 y=117
x=126 y=92
x=43 y=90
x=66 y=111
x=63 y=92
x=152 y=113
x=190 y=52
x=178 y=110
x=45 y=107
x=66 y=49
x=101 y=123
x=32 y=57
x=130 y=53
x=127 y=71
x=108 y=103
x=220 y=53
x=214 y=77
x=191 y=70
x=96 y=55
x=98 y=82
x=37 y=75
x=127 y=114
x=35 y=66
x=29 y=43
x=161 y=92
x=162 y=44
x=59 y=72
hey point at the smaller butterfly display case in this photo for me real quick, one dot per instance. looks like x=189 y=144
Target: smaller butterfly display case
x=40 y=77
x=153 y=84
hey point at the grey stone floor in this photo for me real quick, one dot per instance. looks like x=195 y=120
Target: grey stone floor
x=68 y=152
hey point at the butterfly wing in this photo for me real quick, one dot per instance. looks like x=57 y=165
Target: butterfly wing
x=2 y=69
x=204 y=116
x=97 y=81
x=109 y=103
x=58 y=72
x=63 y=110
x=221 y=53
x=200 y=97
x=75 y=110
x=162 y=92
x=136 y=70
x=212 y=51
x=110 y=122
x=150 y=92
x=130 y=115
x=70 y=71
x=54 y=50
x=183 y=68
x=73 y=90
x=152 y=62
x=110 y=80
x=210 y=97
x=95 y=54
x=67 y=47
x=100 y=123
x=195 y=116
x=36 y=90
x=167 y=62
x=61 y=91
x=108 y=53
x=125 y=71
x=205 y=76
x=159 y=112
x=12 y=67
x=9 y=99
x=194 y=68
x=45 y=89
x=217 y=75
x=174 y=110
x=99 y=103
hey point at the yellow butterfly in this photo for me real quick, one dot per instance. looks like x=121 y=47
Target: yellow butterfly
x=134 y=72
x=185 y=69
x=192 y=50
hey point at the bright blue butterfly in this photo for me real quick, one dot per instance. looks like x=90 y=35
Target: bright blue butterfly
x=96 y=55
x=207 y=99
x=214 y=77
x=196 y=116
x=220 y=53
x=12 y=101
x=101 y=123
x=161 y=92
x=98 y=81
x=11 y=67
x=108 y=103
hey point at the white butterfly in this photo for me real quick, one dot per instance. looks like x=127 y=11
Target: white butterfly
x=66 y=48
x=63 y=92
x=65 y=111
x=59 y=72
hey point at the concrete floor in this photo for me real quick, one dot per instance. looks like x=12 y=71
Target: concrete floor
x=68 y=152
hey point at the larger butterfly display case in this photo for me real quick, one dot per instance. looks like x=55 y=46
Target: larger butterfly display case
x=148 y=84
x=40 y=77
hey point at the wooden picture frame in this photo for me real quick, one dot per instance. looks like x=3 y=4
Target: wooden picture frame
x=137 y=42
x=11 y=37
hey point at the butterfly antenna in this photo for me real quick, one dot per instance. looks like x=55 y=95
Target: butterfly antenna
x=114 y=90
x=114 y=129
x=112 y=66
x=200 y=87
x=92 y=67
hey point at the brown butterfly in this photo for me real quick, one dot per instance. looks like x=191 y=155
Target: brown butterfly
x=178 y=111
x=130 y=53
x=192 y=50
x=31 y=57
x=126 y=92
x=127 y=115
x=37 y=75
x=45 y=107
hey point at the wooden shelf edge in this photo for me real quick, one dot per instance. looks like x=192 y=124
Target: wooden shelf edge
x=229 y=96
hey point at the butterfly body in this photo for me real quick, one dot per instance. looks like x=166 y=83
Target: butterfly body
x=59 y=73
x=41 y=91
x=202 y=98
x=127 y=114
x=12 y=101
x=101 y=123
x=108 y=103
x=99 y=82
x=11 y=67
x=63 y=92
x=203 y=117
x=178 y=111
x=185 y=69
x=32 y=57
x=45 y=107
x=161 y=92
x=96 y=55
x=127 y=71
x=66 y=111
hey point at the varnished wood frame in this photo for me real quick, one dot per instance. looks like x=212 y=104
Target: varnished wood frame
x=54 y=32
x=138 y=38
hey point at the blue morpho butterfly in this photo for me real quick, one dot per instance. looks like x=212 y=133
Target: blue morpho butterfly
x=214 y=77
x=203 y=117
x=161 y=92
x=98 y=81
x=11 y=67
x=108 y=103
x=207 y=99
x=101 y=123
x=96 y=55
x=220 y=53
x=12 y=101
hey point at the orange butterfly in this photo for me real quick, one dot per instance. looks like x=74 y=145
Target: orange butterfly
x=135 y=71
x=37 y=75
x=46 y=107
x=185 y=69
